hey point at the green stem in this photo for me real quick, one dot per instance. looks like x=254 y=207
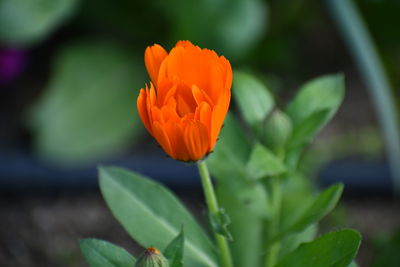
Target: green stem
x=273 y=229
x=212 y=203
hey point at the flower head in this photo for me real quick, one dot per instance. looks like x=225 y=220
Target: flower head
x=186 y=102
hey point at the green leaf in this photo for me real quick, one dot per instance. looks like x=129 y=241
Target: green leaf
x=305 y=131
x=314 y=105
x=152 y=215
x=174 y=251
x=220 y=222
x=88 y=112
x=99 y=253
x=246 y=227
x=321 y=206
x=231 y=152
x=253 y=98
x=26 y=21
x=244 y=200
x=264 y=163
x=295 y=187
x=292 y=240
x=252 y=194
x=323 y=93
x=228 y=165
x=255 y=198
x=336 y=249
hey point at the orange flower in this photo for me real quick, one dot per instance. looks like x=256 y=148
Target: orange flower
x=188 y=98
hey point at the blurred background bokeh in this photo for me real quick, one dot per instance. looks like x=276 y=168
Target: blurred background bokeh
x=70 y=72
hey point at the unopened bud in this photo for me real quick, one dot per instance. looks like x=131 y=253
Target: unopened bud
x=151 y=257
x=278 y=129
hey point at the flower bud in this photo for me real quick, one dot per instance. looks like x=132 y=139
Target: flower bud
x=151 y=257
x=278 y=129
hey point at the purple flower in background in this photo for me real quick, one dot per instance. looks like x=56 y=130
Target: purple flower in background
x=11 y=63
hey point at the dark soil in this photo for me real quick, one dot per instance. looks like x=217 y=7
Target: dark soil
x=45 y=231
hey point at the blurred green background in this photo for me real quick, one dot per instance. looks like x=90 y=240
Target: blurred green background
x=73 y=92
x=70 y=72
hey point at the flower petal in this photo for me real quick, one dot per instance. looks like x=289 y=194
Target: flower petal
x=196 y=140
x=174 y=131
x=201 y=96
x=218 y=116
x=162 y=138
x=227 y=72
x=184 y=43
x=204 y=115
x=143 y=111
x=153 y=57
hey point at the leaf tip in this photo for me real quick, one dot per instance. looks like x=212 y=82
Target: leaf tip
x=106 y=170
x=339 y=187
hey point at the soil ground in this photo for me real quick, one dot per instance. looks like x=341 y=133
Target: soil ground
x=43 y=231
